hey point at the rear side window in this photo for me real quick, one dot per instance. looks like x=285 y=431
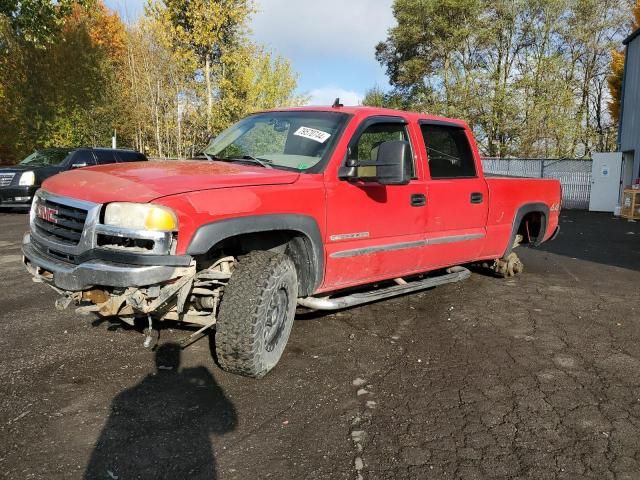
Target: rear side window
x=126 y=156
x=105 y=156
x=449 y=152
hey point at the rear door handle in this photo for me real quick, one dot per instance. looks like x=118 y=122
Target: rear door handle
x=476 y=197
x=418 y=200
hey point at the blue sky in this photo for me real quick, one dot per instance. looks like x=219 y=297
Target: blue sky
x=330 y=42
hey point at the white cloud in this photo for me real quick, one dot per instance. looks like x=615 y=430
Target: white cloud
x=350 y=28
x=327 y=95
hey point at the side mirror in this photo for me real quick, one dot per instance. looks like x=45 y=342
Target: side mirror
x=391 y=167
x=78 y=165
x=393 y=164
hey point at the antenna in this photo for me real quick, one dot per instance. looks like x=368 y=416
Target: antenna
x=337 y=104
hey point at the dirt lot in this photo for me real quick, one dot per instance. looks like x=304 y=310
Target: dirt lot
x=537 y=377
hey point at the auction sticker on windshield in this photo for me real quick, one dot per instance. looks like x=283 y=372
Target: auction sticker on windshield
x=312 y=134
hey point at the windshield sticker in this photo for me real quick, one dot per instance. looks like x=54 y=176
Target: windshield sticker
x=312 y=134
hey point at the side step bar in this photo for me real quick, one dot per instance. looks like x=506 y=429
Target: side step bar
x=454 y=274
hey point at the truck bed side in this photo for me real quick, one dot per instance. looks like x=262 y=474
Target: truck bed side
x=518 y=200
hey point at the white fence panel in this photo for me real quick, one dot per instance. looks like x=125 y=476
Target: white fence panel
x=574 y=175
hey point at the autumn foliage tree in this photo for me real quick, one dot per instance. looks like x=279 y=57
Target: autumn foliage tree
x=617 y=70
x=58 y=91
x=72 y=73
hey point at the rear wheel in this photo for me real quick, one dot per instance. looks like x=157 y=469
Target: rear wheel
x=256 y=314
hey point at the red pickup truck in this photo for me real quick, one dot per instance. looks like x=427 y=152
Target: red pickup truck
x=294 y=207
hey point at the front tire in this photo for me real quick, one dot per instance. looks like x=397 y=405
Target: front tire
x=256 y=314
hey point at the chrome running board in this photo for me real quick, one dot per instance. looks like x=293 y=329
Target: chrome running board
x=454 y=274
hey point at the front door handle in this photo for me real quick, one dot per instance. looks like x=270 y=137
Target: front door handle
x=418 y=200
x=476 y=197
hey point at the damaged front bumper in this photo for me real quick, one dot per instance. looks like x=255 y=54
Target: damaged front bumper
x=109 y=288
x=104 y=273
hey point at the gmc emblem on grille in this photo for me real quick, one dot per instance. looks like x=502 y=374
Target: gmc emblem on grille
x=47 y=214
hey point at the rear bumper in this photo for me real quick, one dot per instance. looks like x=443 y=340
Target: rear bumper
x=555 y=233
x=68 y=276
x=16 y=196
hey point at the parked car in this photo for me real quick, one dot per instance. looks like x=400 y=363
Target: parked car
x=296 y=207
x=18 y=183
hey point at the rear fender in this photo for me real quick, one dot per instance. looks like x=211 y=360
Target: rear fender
x=541 y=208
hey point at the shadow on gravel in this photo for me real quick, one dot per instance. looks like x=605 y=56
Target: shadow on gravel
x=597 y=237
x=161 y=427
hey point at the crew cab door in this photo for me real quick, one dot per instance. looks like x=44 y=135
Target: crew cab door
x=457 y=194
x=374 y=231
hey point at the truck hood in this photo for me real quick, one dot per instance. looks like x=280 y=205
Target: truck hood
x=147 y=181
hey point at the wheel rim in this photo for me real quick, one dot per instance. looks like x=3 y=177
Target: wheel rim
x=276 y=317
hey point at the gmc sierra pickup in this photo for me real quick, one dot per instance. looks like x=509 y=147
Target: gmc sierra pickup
x=294 y=207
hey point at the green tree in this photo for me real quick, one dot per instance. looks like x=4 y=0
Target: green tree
x=529 y=76
x=38 y=21
x=203 y=32
x=377 y=97
x=218 y=74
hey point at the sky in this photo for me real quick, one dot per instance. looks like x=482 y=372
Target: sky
x=330 y=43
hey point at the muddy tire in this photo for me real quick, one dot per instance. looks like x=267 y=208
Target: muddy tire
x=256 y=314
x=508 y=266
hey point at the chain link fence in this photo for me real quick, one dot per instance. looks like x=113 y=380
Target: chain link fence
x=574 y=175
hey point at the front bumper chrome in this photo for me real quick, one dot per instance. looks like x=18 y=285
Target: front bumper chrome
x=66 y=276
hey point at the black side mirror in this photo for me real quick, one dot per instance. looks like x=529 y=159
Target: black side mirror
x=393 y=164
x=391 y=167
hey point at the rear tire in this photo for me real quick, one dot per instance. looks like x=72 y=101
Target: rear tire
x=256 y=314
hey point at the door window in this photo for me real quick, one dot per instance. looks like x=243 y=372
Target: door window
x=365 y=149
x=83 y=156
x=449 y=152
x=105 y=156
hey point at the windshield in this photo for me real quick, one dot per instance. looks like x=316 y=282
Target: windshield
x=43 y=158
x=290 y=140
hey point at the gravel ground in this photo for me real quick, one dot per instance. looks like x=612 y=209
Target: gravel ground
x=536 y=377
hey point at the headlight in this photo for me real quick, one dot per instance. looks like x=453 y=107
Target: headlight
x=27 y=179
x=140 y=216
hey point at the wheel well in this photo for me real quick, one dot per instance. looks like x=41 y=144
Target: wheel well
x=292 y=243
x=531 y=227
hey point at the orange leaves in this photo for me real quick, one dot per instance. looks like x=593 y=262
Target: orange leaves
x=105 y=29
x=617 y=70
x=615 y=83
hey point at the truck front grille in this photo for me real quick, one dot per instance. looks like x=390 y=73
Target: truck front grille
x=6 y=178
x=59 y=222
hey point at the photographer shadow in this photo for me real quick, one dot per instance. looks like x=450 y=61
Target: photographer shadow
x=162 y=427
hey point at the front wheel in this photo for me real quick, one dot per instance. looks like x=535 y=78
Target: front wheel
x=256 y=314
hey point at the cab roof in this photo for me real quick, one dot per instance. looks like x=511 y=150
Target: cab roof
x=364 y=111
